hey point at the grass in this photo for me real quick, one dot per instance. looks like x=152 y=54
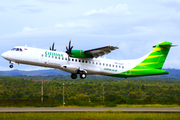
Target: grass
x=150 y=106
x=90 y=116
x=122 y=105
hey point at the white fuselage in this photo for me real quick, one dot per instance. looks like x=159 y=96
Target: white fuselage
x=60 y=60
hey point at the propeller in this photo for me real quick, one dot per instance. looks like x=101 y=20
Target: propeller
x=68 y=50
x=52 y=49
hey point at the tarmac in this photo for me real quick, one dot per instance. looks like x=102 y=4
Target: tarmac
x=89 y=109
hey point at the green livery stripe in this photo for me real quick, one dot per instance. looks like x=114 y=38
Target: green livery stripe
x=147 y=63
x=140 y=71
x=158 y=56
x=151 y=65
x=153 y=56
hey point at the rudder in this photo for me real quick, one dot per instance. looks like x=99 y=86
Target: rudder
x=158 y=56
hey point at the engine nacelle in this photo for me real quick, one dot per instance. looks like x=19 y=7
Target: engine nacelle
x=80 y=54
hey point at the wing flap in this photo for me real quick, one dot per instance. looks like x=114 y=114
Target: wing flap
x=100 y=51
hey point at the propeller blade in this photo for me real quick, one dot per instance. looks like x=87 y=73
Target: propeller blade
x=68 y=50
x=71 y=47
x=53 y=46
x=50 y=48
x=70 y=44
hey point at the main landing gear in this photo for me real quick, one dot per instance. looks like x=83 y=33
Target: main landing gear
x=73 y=76
x=81 y=74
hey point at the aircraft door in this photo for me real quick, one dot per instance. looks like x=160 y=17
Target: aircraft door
x=128 y=68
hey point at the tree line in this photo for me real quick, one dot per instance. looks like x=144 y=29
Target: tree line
x=91 y=92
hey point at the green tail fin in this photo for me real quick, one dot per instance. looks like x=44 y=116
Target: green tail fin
x=158 y=56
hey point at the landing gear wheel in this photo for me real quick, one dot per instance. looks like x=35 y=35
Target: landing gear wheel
x=73 y=76
x=82 y=75
x=11 y=66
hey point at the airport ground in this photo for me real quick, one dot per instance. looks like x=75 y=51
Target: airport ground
x=90 y=116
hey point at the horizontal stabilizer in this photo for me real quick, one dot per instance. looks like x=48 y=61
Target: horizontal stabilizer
x=165 y=46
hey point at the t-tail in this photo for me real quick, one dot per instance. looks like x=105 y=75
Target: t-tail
x=150 y=64
x=154 y=62
x=158 y=56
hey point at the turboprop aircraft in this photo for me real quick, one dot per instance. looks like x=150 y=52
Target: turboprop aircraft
x=88 y=62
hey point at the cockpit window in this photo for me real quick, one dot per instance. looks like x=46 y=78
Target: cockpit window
x=16 y=49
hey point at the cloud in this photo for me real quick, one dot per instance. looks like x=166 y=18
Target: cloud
x=73 y=24
x=175 y=1
x=143 y=30
x=55 y=1
x=29 y=29
x=59 y=25
x=32 y=10
x=3 y=9
x=119 y=9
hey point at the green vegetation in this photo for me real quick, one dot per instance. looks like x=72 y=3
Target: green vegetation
x=90 y=116
x=148 y=91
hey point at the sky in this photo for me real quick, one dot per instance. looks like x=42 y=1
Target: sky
x=132 y=25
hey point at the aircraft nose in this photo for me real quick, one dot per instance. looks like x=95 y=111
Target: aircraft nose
x=4 y=55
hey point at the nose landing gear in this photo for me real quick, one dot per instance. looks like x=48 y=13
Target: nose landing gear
x=11 y=62
x=11 y=66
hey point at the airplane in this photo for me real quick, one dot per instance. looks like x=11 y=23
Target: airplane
x=87 y=62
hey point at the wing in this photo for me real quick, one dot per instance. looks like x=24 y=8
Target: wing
x=100 y=51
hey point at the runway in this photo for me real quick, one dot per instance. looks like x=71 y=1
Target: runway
x=89 y=109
